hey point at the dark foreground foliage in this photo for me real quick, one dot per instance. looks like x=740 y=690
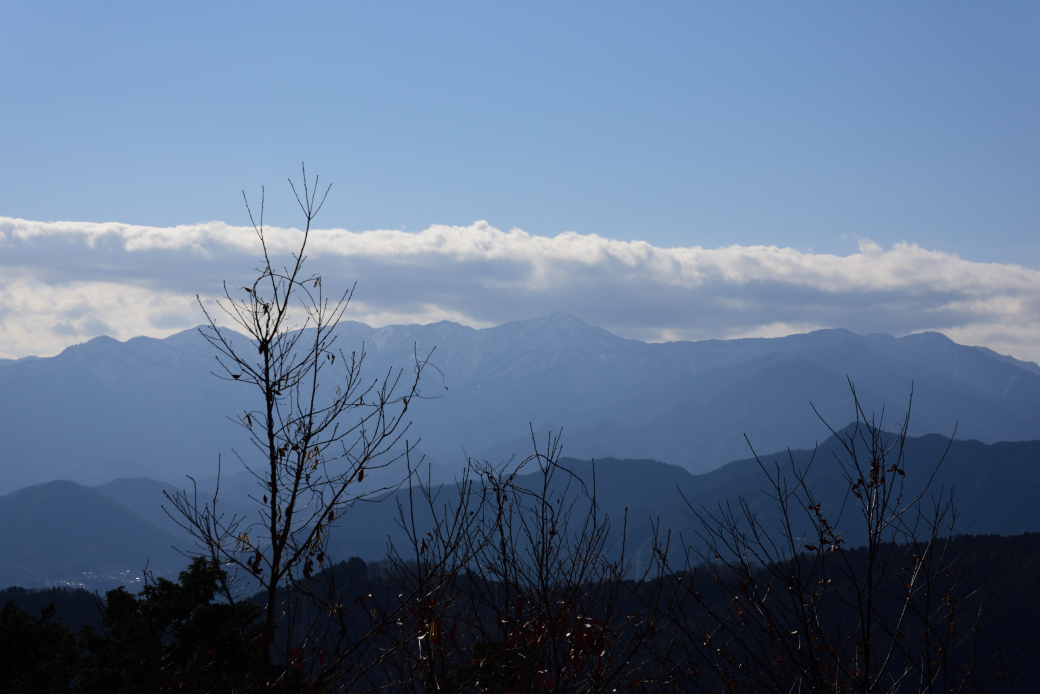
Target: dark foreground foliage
x=171 y=637
x=506 y=587
x=175 y=637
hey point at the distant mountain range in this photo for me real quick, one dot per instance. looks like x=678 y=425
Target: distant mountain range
x=106 y=409
x=69 y=534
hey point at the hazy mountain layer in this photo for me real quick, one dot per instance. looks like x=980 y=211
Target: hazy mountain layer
x=107 y=409
x=995 y=488
x=62 y=532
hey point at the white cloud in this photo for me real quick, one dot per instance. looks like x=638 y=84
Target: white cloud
x=480 y=275
x=43 y=319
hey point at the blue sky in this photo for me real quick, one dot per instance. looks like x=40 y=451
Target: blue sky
x=811 y=127
x=675 y=123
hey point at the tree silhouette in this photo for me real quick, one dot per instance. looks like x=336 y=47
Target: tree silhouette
x=794 y=607
x=319 y=426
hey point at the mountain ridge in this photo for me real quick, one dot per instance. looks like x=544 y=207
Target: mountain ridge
x=67 y=534
x=149 y=407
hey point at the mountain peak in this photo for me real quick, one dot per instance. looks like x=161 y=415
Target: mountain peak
x=557 y=319
x=96 y=345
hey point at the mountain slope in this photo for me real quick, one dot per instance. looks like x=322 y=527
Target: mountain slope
x=995 y=488
x=146 y=407
x=146 y=498
x=63 y=532
x=690 y=403
x=105 y=409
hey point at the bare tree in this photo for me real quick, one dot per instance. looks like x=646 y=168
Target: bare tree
x=509 y=580
x=518 y=587
x=794 y=608
x=318 y=427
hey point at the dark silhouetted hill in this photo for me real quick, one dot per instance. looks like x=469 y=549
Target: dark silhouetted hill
x=995 y=491
x=63 y=533
x=66 y=534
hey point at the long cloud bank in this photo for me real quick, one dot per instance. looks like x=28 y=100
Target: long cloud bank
x=64 y=282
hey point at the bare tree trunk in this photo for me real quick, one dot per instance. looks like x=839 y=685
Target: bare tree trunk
x=320 y=427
